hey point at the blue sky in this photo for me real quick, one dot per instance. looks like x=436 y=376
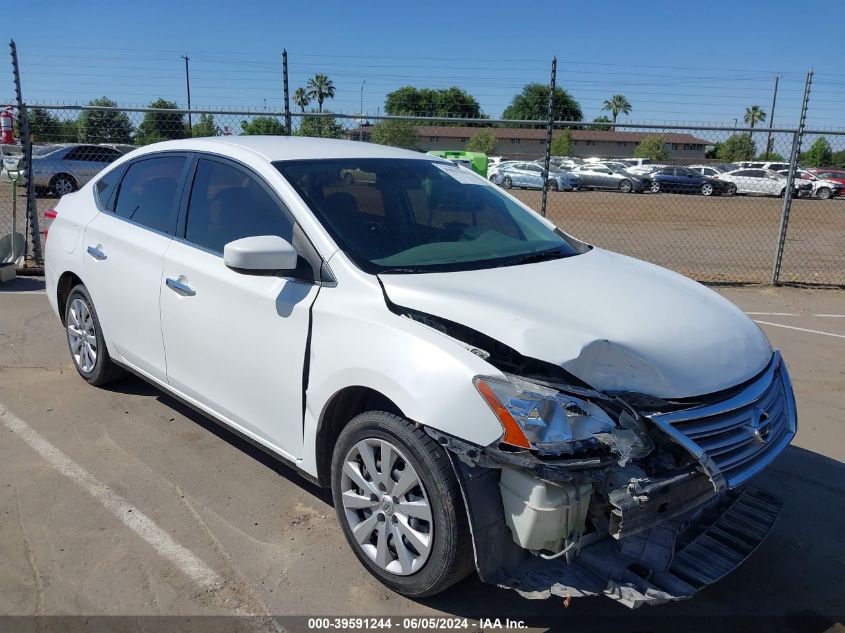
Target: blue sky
x=675 y=61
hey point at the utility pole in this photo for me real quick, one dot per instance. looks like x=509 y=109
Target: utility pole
x=23 y=126
x=772 y=118
x=549 y=137
x=188 y=86
x=287 y=91
x=361 y=120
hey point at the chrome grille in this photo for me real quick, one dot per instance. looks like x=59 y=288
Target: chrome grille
x=738 y=437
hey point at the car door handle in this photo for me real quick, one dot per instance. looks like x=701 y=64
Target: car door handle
x=96 y=253
x=178 y=287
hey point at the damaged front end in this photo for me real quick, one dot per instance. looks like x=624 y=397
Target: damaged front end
x=637 y=498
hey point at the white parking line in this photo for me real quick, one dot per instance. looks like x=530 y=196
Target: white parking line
x=772 y=314
x=800 y=329
x=830 y=316
x=22 y=292
x=131 y=516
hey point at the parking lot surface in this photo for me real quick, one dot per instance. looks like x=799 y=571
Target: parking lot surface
x=122 y=501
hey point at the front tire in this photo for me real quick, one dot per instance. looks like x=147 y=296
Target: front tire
x=85 y=340
x=552 y=184
x=63 y=184
x=823 y=193
x=655 y=187
x=625 y=186
x=399 y=505
x=507 y=183
x=731 y=191
x=707 y=189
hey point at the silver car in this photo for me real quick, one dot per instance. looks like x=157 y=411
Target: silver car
x=530 y=176
x=63 y=169
x=602 y=176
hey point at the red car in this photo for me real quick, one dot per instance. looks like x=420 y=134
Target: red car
x=836 y=175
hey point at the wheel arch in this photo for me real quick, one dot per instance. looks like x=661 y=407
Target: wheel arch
x=66 y=283
x=340 y=409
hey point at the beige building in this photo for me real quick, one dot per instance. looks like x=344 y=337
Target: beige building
x=529 y=144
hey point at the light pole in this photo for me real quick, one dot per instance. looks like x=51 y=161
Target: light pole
x=361 y=120
x=188 y=86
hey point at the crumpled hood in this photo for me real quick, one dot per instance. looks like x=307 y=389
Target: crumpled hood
x=617 y=323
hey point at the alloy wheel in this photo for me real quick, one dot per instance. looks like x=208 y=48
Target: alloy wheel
x=707 y=189
x=386 y=507
x=82 y=336
x=655 y=187
x=63 y=186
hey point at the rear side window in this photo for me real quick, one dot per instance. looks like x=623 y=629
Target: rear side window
x=227 y=203
x=104 y=188
x=147 y=193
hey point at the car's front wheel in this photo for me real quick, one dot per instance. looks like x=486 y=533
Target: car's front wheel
x=85 y=340
x=552 y=185
x=823 y=193
x=707 y=189
x=655 y=187
x=399 y=505
x=507 y=183
x=63 y=184
x=731 y=190
x=625 y=186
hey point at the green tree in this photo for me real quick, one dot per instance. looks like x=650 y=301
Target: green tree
x=483 y=141
x=616 y=105
x=754 y=115
x=600 y=119
x=320 y=127
x=736 y=147
x=300 y=98
x=320 y=88
x=205 y=126
x=773 y=156
x=161 y=126
x=838 y=158
x=44 y=127
x=395 y=133
x=444 y=102
x=653 y=147
x=104 y=126
x=262 y=125
x=820 y=154
x=533 y=104
x=562 y=143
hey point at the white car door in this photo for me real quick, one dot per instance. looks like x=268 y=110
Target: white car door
x=124 y=245
x=236 y=342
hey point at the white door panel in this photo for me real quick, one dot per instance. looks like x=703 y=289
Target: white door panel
x=123 y=275
x=236 y=343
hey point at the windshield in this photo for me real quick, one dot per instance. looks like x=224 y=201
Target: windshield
x=412 y=215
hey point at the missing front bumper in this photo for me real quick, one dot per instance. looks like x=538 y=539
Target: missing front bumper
x=669 y=562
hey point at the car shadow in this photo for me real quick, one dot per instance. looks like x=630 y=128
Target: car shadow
x=23 y=284
x=794 y=582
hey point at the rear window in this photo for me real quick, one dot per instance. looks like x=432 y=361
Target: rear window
x=104 y=188
x=147 y=193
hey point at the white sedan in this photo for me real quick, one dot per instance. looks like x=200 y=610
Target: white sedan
x=480 y=390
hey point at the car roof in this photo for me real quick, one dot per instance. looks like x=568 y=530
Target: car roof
x=273 y=148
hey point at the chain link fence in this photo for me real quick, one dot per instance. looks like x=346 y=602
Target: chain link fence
x=680 y=209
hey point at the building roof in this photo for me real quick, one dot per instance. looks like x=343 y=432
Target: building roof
x=446 y=131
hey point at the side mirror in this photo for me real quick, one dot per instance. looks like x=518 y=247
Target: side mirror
x=260 y=253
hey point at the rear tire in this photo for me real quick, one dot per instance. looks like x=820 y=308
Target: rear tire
x=625 y=186
x=85 y=340
x=655 y=187
x=553 y=185
x=507 y=183
x=372 y=505
x=707 y=189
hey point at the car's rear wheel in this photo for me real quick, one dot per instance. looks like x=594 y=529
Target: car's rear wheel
x=399 y=505
x=625 y=186
x=823 y=193
x=782 y=193
x=655 y=187
x=85 y=340
x=507 y=183
x=552 y=184
x=706 y=189
x=63 y=184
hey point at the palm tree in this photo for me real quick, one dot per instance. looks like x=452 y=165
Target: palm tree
x=300 y=98
x=320 y=87
x=754 y=115
x=617 y=104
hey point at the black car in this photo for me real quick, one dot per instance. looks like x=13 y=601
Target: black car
x=684 y=180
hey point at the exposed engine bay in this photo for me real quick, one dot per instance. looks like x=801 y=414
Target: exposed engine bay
x=622 y=494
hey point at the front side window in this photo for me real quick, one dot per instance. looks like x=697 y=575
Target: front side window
x=227 y=203
x=416 y=215
x=147 y=193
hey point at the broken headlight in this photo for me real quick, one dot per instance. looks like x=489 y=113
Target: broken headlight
x=535 y=416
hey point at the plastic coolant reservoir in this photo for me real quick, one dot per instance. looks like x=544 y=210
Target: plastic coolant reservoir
x=541 y=515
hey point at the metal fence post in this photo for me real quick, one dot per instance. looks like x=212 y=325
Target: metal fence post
x=790 y=179
x=287 y=91
x=23 y=126
x=549 y=132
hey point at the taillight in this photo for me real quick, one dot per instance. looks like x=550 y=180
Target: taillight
x=50 y=214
